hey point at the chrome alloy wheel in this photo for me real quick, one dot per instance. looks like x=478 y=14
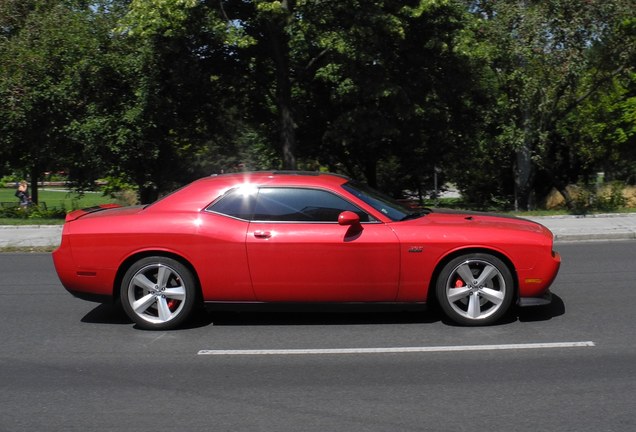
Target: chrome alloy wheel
x=158 y=293
x=475 y=289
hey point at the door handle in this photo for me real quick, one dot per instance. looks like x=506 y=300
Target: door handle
x=262 y=234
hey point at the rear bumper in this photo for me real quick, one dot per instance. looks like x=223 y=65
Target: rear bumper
x=88 y=284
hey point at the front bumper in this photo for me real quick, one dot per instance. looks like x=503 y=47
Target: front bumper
x=545 y=299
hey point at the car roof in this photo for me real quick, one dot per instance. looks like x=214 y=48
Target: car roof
x=200 y=193
x=306 y=178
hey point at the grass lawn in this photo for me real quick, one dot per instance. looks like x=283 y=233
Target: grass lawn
x=17 y=221
x=54 y=199
x=57 y=198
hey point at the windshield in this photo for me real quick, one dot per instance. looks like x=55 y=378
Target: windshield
x=382 y=203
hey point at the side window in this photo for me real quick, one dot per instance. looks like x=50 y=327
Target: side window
x=301 y=205
x=235 y=203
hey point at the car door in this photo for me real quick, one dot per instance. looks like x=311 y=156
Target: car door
x=297 y=251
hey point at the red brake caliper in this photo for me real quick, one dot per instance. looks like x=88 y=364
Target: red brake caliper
x=459 y=283
x=172 y=303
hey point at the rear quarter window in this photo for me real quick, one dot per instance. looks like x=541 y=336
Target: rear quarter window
x=235 y=204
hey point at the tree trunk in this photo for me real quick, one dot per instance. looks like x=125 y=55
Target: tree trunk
x=287 y=133
x=371 y=173
x=147 y=194
x=279 y=43
x=524 y=179
x=35 y=177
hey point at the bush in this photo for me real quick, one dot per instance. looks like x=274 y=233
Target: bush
x=32 y=212
x=611 y=197
x=9 y=179
x=36 y=212
x=12 y=212
x=589 y=198
x=126 y=197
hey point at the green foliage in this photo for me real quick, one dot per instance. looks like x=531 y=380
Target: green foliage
x=548 y=58
x=612 y=199
x=589 y=198
x=10 y=179
x=32 y=212
x=506 y=99
x=602 y=130
x=157 y=17
x=386 y=91
x=114 y=185
x=43 y=66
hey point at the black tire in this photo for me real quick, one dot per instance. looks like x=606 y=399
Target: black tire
x=158 y=293
x=483 y=299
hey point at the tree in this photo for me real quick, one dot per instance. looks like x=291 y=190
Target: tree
x=43 y=58
x=13 y=14
x=180 y=102
x=400 y=98
x=349 y=85
x=541 y=53
x=601 y=132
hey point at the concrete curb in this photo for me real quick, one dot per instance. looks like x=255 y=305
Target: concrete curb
x=613 y=226
x=27 y=236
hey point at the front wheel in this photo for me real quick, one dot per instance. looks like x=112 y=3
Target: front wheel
x=158 y=293
x=475 y=289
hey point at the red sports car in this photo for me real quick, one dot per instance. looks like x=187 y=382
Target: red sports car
x=293 y=237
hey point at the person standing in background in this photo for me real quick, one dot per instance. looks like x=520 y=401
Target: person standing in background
x=23 y=195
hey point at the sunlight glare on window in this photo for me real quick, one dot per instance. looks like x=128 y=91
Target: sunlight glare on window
x=247 y=190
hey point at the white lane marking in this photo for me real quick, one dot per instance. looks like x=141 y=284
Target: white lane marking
x=399 y=349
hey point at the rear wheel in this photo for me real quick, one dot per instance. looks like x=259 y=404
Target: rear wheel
x=475 y=289
x=158 y=293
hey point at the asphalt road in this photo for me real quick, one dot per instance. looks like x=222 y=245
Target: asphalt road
x=70 y=365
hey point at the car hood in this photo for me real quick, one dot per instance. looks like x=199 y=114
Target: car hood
x=483 y=220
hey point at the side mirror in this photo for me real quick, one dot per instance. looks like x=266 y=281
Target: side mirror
x=348 y=218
